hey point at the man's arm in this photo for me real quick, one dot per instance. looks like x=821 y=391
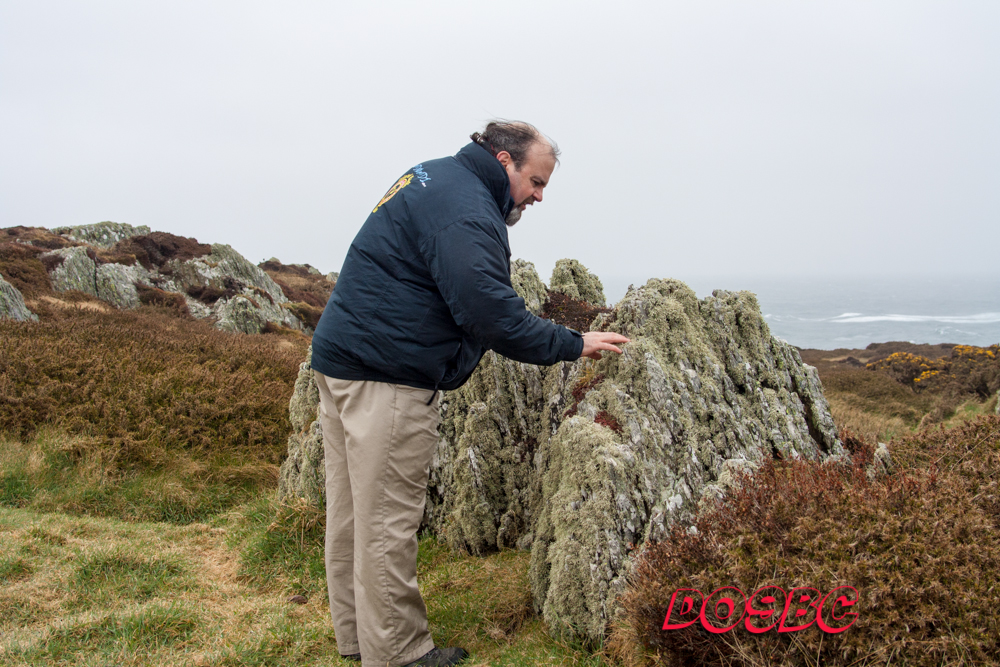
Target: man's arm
x=469 y=266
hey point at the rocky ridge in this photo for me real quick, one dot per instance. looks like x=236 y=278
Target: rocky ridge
x=584 y=462
x=127 y=266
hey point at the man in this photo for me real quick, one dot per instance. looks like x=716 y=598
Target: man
x=424 y=291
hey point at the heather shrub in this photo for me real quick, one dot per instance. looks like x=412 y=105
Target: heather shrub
x=146 y=383
x=920 y=545
x=20 y=266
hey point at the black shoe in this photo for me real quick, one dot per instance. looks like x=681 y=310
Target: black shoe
x=440 y=657
x=354 y=657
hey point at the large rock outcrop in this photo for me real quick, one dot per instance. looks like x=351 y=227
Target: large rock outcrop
x=115 y=262
x=12 y=304
x=583 y=462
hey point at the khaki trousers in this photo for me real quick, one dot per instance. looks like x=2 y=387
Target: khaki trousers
x=378 y=440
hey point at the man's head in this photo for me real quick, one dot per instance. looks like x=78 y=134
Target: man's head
x=527 y=155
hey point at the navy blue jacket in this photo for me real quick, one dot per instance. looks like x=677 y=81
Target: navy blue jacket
x=425 y=289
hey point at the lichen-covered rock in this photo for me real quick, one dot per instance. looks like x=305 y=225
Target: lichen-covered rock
x=102 y=234
x=251 y=298
x=74 y=269
x=703 y=388
x=584 y=462
x=12 y=305
x=240 y=314
x=302 y=473
x=528 y=285
x=116 y=284
x=572 y=278
x=480 y=492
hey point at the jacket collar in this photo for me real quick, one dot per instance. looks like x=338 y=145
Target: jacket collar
x=480 y=162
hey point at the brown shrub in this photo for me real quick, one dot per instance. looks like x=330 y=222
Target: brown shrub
x=210 y=294
x=172 y=302
x=36 y=236
x=21 y=267
x=145 y=382
x=920 y=546
x=570 y=312
x=300 y=285
x=306 y=312
x=156 y=249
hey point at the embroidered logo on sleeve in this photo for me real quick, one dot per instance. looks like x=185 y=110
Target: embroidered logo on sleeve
x=400 y=184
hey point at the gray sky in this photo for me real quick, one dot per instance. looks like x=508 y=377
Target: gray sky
x=708 y=138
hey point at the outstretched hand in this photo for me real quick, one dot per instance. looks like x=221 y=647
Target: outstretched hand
x=595 y=341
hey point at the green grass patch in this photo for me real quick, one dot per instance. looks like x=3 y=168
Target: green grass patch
x=114 y=636
x=283 y=642
x=282 y=546
x=101 y=577
x=13 y=569
x=15 y=489
x=54 y=471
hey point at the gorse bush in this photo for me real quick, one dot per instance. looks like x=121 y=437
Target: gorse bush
x=968 y=370
x=144 y=383
x=920 y=545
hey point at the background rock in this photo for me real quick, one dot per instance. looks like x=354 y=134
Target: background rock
x=101 y=234
x=72 y=268
x=12 y=304
x=116 y=284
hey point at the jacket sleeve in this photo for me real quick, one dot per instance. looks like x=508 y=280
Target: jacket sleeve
x=469 y=266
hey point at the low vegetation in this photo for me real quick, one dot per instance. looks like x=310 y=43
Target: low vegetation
x=919 y=544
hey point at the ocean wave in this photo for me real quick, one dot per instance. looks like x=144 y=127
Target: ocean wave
x=979 y=318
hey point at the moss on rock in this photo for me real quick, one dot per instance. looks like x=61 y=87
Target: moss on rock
x=303 y=474
x=72 y=269
x=12 y=304
x=572 y=278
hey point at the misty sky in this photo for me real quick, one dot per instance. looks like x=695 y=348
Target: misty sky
x=708 y=138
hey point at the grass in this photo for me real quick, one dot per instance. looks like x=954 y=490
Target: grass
x=97 y=590
x=56 y=471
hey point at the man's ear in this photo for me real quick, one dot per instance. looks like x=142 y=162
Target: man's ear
x=504 y=158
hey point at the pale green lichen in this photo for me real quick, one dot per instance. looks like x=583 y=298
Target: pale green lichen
x=102 y=234
x=528 y=285
x=116 y=284
x=703 y=389
x=75 y=271
x=302 y=473
x=12 y=304
x=572 y=278
x=239 y=314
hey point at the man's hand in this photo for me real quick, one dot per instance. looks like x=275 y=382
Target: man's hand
x=595 y=341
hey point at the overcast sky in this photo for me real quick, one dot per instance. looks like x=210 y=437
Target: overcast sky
x=698 y=138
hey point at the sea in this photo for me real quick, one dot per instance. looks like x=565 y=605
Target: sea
x=832 y=312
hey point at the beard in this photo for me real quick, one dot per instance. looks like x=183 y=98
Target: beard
x=513 y=216
x=515 y=213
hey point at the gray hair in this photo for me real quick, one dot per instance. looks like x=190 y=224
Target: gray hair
x=514 y=136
